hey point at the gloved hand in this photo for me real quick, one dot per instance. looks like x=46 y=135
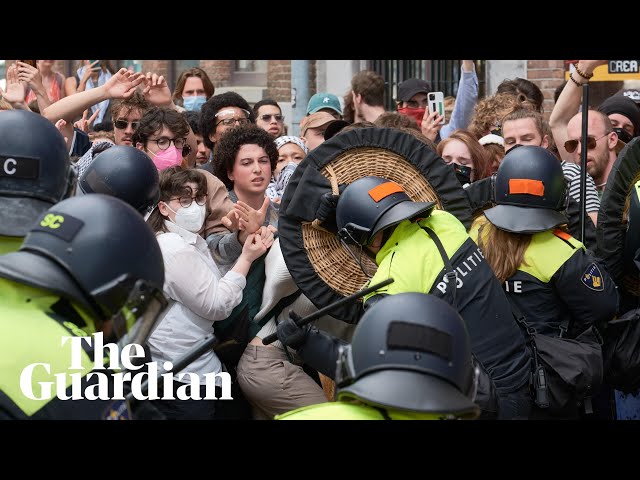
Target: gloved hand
x=328 y=205
x=326 y=212
x=291 y=334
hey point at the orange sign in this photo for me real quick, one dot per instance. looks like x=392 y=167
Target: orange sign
x=615 y=71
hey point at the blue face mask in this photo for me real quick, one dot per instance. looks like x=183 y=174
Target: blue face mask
x=194 y=103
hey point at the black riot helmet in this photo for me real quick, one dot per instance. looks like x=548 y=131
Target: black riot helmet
x=124 y=172
x=371 y=204
x=35 y=170
x=410 y=351
x=530 y=191
x=96 y=251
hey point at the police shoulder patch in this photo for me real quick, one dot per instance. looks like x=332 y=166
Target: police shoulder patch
x=592 y=278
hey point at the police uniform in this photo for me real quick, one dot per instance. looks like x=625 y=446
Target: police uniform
x=400 y=365
x=412 y=259
x=559 y=281
x=34 y=323
x=56 y=286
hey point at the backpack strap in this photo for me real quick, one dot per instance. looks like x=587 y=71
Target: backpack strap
x=451 y=275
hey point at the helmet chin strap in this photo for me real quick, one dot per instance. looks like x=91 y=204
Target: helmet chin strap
x=358 y=258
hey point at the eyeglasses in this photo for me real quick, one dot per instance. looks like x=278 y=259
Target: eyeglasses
x=186 y=201
x=122 y=124
x=164 y=142
x=571 y=145
x=266 y=117
x=414 y=104
x=230 y=122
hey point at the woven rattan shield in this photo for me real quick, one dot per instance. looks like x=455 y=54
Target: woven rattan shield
x=321 y=266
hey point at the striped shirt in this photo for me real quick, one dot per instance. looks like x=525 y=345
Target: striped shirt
x=571 y=173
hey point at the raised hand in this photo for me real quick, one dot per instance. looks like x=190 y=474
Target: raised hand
x=60 y=124
x=15 y=89
x=230 y=220
x=431 y=125
x=29 y=75
x=251 y=219
x=123 y=84
x=267 y=235
x=84 y=124
x=156 y=90
x=253 y=248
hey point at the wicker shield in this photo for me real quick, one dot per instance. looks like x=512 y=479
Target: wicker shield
x=318 y=263
x=613 y=211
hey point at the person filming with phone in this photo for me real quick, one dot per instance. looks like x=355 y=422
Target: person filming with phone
x=412 y=100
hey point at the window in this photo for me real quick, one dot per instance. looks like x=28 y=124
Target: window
x=250 y=73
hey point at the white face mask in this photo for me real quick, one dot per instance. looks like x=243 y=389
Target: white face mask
x=190 y=218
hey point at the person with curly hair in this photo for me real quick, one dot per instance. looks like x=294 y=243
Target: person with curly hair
x=489 y=112
x=221 y=113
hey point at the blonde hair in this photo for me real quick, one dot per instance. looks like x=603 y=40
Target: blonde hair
x=503 y=251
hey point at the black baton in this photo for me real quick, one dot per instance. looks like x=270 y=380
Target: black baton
x=315 y=315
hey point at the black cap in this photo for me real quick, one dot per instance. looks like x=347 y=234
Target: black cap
x=334 y=127
x=410 y=87
x=624 y=106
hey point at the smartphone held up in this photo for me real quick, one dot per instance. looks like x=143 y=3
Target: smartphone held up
x=33 y=63
x=436 y=104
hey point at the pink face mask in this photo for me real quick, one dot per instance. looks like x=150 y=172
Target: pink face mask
x=166 y=158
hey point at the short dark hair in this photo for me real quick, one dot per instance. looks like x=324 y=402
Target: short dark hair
x=213 y=106
x=266 y=101
x=227 y=148
x=154 y=119
x=172 y=180
x=371 y=86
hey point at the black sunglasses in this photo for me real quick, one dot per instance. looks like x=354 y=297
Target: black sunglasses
x=122 y=124
x=267 y=117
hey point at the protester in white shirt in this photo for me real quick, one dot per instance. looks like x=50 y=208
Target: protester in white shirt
x=201 y=295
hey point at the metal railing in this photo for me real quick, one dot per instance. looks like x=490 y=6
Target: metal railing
x=442 y=75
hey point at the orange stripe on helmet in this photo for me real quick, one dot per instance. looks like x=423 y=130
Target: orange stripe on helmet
x=384 y=190
x=525 y=185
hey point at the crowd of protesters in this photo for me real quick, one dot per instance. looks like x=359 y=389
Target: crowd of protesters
x=213 y=199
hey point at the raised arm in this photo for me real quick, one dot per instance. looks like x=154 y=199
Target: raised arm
x=121 y=85
x=568 y=105
x=465 y=100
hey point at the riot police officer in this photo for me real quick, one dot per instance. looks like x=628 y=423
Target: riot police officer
x=88 y=264
x=409 y=358
x=429 y=251
x=35 y=173
x=123 y=172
